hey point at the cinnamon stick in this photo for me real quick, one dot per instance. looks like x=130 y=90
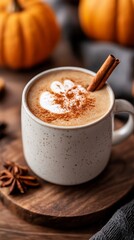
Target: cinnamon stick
x=103 y=73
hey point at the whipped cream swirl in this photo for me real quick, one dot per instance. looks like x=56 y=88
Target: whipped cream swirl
x=64 y=97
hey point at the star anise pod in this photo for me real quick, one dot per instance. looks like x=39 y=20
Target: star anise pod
x=9 y=165
x=16 y=178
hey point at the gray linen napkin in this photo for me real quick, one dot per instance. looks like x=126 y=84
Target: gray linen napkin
x=120 y=226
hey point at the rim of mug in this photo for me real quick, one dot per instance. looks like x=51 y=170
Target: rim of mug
x=38 y=76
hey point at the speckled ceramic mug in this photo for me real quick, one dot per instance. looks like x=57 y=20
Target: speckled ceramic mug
x=71 y=155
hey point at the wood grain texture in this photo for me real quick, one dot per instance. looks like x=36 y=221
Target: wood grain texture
x=75 y=206
x=17 y=229
x=60 y=206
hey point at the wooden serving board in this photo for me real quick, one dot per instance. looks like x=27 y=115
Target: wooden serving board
x=69 y=206
x=54 y=205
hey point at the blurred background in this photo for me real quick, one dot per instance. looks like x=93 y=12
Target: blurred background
x=91 y=31
x=83 y=34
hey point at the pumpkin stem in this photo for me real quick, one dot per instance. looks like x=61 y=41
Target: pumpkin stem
x=15 y=6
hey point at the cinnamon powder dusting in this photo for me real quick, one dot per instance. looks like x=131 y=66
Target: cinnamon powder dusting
x=76 y=108
x=67 y=104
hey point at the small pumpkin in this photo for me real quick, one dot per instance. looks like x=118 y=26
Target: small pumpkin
x=28 y=32
x=108 y=20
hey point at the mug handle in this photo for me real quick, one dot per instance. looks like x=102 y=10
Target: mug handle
x=123 y=106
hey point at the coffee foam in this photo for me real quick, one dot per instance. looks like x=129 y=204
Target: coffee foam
x=85 y=108
x=64 y=97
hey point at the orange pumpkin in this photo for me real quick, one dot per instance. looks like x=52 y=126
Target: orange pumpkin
x=108 y=20
x=28 y=32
